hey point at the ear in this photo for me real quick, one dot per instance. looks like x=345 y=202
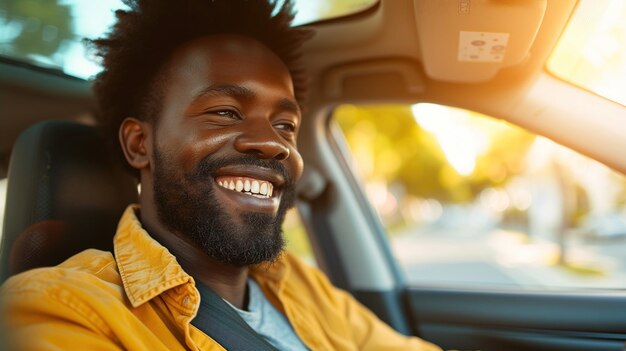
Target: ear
x=136 y=141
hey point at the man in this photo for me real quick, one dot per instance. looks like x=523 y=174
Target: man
x=203 y=96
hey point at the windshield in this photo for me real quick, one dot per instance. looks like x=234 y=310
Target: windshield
x=592 y=51
x=48 y=33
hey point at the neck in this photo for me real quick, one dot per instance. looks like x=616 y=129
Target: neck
x=228 y=281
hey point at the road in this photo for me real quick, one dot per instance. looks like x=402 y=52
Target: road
x=500 y=258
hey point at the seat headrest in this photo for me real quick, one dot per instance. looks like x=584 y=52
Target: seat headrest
x=64 y=195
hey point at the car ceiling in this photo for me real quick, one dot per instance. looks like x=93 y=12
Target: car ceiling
x=390 y=32
x=377 y=57
x=380 y=55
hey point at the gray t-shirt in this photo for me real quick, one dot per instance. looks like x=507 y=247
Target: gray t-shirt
x=268 y=322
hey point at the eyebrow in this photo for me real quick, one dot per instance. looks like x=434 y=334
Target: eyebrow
x=235 y=91
x=243 y=93
x=289 y=105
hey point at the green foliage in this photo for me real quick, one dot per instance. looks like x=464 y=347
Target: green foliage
x=620 y=199
x=43 y=26
x=296 y=237
x=503 y=159
x=387 y=144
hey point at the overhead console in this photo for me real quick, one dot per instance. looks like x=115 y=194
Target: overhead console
x=469 y=41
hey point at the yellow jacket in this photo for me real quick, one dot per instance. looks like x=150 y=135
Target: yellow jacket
x=141 y=299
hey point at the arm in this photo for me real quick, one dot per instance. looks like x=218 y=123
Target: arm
x=344 y=316
x=370 y=333
x=43 y=321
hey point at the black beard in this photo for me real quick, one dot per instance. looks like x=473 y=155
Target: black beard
x=187 y=205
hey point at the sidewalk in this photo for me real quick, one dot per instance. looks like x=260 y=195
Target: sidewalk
x=507 y=259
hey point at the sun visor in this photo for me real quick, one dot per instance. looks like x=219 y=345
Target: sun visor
x=471 y=40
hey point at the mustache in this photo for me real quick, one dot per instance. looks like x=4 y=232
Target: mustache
x=208 y=166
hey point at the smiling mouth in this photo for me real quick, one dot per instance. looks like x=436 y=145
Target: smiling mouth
x=259 y=188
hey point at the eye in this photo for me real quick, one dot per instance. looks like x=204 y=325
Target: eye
x=219 y=116
x=286 y=126
x=226 y=113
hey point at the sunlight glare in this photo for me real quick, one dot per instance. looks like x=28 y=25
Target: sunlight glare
x=592 y=51
x=459 y=138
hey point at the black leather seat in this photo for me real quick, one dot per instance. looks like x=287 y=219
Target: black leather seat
x=64 y=195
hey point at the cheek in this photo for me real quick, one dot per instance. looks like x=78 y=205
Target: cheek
x=199 y=145
x=187 y=147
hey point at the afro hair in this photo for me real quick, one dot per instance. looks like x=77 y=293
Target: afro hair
x=145 y=34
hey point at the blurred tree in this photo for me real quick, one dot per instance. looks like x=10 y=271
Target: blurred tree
x=621 y=196
x=39 y=27
x=387 y=143
x=503 y=159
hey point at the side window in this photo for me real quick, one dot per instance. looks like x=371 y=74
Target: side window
x=296 y=237
x=467 y=200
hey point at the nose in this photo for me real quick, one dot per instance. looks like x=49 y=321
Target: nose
x=262 y=141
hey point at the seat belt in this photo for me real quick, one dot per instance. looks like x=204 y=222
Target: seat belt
x=222 y=323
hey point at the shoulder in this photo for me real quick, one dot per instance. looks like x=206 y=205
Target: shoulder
x=83 y=271
x=306 y=279
x=297 y=266
x=290 y=273
x=72 y=298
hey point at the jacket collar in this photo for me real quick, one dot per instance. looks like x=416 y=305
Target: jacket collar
x=147 y=268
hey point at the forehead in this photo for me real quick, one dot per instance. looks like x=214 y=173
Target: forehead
x=226 y=59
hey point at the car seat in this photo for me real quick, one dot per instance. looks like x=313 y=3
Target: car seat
x=64 y=195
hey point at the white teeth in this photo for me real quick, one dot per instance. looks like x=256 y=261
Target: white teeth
x=260 y=189
x=255 y=187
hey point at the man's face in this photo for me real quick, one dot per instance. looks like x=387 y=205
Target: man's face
x=225 y=158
